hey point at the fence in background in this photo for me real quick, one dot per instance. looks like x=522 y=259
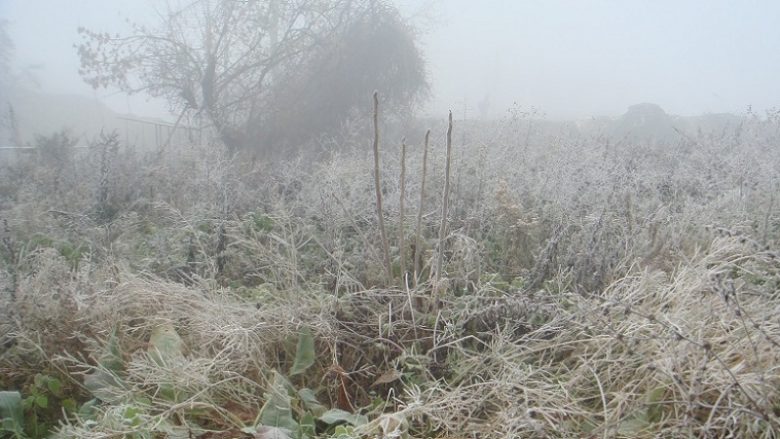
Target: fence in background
x=139 y=134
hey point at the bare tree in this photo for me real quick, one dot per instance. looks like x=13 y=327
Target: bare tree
x=6 y=47
x=215 y=59
x=376 y=50
x=8 y=129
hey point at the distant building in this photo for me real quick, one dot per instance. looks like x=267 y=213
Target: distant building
x=28 y=115
x=646 y=122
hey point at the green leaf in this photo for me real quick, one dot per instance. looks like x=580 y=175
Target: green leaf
x=131 y=416
x=11 y=411
x=277 y=410
x=311 y=403
x=143 y=401
x=264 y=432
x=654 y=405
x=633 y=425
x=334 y=416
x=104 y=385
x=131 y=412
x=304 y=354
x=308 y=427
x=42 y=401
x=88 y=410
x=165 y=344
x=69 y=404
x=169 y=393
x=111 y=357
x=343 y=432
x=8 y=425
x=55 y=386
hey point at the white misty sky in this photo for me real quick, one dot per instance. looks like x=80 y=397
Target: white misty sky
x=582 y=58
x=570 y=58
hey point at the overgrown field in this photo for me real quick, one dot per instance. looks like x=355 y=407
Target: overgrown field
x=589 y=288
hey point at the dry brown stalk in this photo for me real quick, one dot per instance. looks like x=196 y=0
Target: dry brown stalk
x=418 y=229
x=378 y=187
x=444 y=208
x=401 y=213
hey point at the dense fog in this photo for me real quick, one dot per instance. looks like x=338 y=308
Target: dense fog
x=569 y=59
x=358 y=219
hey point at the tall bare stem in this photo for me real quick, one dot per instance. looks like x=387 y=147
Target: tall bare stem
x=444 y=208
x=378 y=186
x=418 y=229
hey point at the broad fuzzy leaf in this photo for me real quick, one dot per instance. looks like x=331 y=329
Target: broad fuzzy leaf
x=271 y=433
x=165 y=344
x=311 y=403
x=277 y=410
x=11 y=413
x=304 y=354
x=103 y=385
x=334 y=416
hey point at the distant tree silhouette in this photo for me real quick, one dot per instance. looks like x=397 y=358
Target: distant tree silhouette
x=244 y=65
x=375 y=51
x=7 y=118
x=6 y=47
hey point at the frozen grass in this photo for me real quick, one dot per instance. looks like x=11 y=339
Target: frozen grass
x=588 y=289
